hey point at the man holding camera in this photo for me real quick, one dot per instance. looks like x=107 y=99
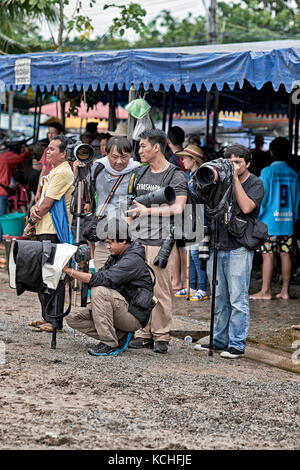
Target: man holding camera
x=57 y=186
x=234 y=262
x=156 y=334
x=122 y=293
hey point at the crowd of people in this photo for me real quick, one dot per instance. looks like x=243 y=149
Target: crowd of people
x=131 y=296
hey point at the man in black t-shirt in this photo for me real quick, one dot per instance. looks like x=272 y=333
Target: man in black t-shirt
x=234 y=263
x=153 y=222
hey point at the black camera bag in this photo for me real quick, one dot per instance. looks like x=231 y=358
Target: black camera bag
x=250 y=232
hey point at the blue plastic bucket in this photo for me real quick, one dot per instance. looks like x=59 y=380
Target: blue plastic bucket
x=13 y=224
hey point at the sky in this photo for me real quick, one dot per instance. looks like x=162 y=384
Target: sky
x=102 y=19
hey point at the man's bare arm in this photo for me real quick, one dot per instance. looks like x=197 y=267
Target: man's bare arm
x=165 y=210
x=245 y=203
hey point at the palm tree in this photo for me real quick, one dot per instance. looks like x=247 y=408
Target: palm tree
x=18 y=30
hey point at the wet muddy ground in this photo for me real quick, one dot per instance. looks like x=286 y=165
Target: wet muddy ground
x=66 y=399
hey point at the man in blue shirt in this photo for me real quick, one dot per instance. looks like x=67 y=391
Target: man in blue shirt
x=279 y=210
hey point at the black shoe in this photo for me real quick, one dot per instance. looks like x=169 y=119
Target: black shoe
x=124 y=342
x=161 y=347
x=205 y=347
x=103 y=350
x=232 y=353
x=140 y=343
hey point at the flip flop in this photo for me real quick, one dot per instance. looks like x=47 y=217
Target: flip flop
x=37 y=323
x=47 y=327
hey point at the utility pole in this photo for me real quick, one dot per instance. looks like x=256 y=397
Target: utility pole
x=212 y=22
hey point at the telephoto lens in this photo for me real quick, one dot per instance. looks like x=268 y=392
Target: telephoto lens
x=164 y=195
x=206 y=175
x=162 y=257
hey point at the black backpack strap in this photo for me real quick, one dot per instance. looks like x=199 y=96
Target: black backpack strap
x=169 y=175
x=135 y=177
x=92 y=185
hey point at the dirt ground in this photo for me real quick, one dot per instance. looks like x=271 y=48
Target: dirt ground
x=185 y=400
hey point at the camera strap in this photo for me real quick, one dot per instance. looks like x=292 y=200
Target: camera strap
x=10 y=191
x=110 y=196
x=152 y=272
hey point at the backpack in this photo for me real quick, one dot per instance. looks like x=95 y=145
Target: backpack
x=189 y=218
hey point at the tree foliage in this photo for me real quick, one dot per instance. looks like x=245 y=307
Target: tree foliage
x=19 y=21
x=239 y=21
x=131 y=17
x=18 y=27
x=255 y=20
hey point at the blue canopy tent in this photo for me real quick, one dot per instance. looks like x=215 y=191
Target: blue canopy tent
x=277 y=62
x=241 y=72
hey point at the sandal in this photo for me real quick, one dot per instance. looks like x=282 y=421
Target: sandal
x=46 y=327
x=198 y=296
x=183 y=292
x=37 y=323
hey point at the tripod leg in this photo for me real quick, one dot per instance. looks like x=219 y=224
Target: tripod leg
x=54 y=323
x=214 y=285
x=188 y=263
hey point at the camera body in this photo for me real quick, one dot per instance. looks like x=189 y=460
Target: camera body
x=213 y=182
x=79 y=151
x=82 y=254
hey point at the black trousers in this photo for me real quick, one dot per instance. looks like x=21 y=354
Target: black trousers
x=60 y=292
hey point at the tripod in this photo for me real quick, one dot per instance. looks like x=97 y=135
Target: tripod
x=214 y=283
x=78 y=215
x=56 y=303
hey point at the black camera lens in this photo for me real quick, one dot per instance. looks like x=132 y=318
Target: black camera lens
x=164 y=195
x=206 y=175
x=162 y=257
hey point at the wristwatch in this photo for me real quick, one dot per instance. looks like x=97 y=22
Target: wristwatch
x=30 y=221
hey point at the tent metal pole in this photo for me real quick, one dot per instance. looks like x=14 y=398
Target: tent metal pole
x=39 y=114
x=112 y=120
x=131 y=121
x=35 y=115
x=11 y=94
x=216 y=117
x=296 y=144
x=171 y=109
x=164 y=118
x=207 y=110
x=291 y=115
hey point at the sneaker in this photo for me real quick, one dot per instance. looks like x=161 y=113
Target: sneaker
x=141 y=343
x=161 y=347
x=103 y=350
x=183 y=292
x=124 y=342
x=232 y=353
x=198 y=296
x=205 y=347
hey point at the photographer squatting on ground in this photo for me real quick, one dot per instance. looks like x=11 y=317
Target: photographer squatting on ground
x=122 y=294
